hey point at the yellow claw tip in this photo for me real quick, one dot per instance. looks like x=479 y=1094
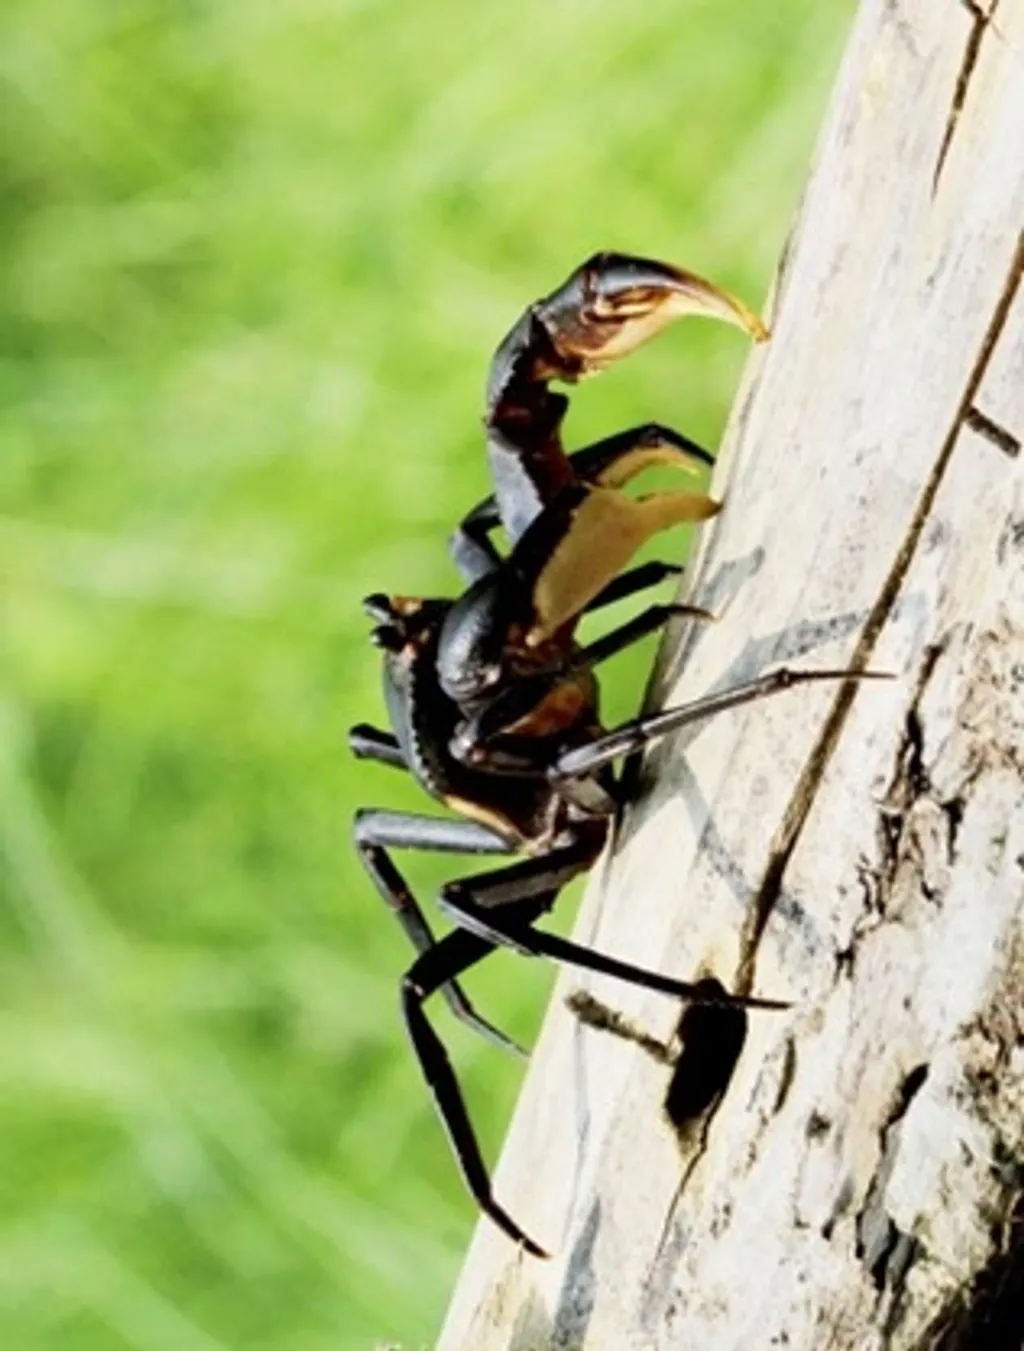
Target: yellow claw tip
x=711 y=300
x=751 y=322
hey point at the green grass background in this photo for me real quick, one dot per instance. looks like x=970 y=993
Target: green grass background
x=254 y=258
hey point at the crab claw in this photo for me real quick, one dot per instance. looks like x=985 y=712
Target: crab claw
x=607 y=308
x=614 y=302
x=600 y=530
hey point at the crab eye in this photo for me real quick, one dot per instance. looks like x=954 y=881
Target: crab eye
x=386 y=637
x=378 y=607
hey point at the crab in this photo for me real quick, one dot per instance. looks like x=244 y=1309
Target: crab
x=492 y=701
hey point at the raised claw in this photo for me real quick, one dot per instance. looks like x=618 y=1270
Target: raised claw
x=607 y=308
x=615 y=302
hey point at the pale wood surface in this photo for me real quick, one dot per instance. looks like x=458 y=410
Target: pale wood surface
x=857 y=850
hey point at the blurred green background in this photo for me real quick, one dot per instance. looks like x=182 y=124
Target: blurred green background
x=254 y=259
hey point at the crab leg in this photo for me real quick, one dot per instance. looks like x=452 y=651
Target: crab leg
x=502 y=908
x=369 y=743
x=377 y=832
x=490 y=904
x=646 y=731
x=610 y=462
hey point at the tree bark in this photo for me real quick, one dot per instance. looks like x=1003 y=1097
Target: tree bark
x=850 y=1173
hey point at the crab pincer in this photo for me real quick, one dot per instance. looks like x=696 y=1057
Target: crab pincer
x=607 y=308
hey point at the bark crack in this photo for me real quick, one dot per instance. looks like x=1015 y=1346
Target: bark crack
x=594 y=1013
x=980 y=20
x=910 y=786
x=986 y=1311
x=711 y=1040
x=882 y=1246
x=799 y=805
x=991 y=430
x=702 y=1052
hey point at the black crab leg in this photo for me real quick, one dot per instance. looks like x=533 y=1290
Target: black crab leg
x=640 y=732
x=633 y=631
x=618 y=458
x=436 y=969
x=486 y=905
x=470 y=545
x=369 y=743
x=640 y=578
x=609 y=462
x=377 y=831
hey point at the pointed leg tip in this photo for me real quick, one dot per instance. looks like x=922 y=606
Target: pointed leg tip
x=769 y=1005
x=535 y=1250
x=503 y=1042
x=851 y=673
x=748 y=1001
x=519 y=1237
x=692 y=612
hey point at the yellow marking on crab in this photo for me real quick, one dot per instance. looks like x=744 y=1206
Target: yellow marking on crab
x=484 y=816
x=634 y=462
x=406 y=606
x=560 y=709
x=606 y=531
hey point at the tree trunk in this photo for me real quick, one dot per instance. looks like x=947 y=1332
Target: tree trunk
x=850 y=1173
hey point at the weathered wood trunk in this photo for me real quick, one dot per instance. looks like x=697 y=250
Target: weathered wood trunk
x=850 y=1175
